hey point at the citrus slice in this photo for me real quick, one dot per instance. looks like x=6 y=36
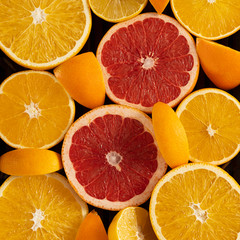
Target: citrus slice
x=92 y=228
x=150 y=58
x=40 y=207
x=82 y=78
x=220 y=63
x=131 y=223
x=159 y=5
x=196 y=201
x=209 y=19
x=30 y=161
x=111 y=157
x=170 y=134
x=36 y=110
x=211 y=118
x=41 y=34
x=117 y=11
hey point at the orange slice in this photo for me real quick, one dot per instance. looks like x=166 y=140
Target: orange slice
x=41 y=34
x=211 y=118
x=30 y=161
x=82 y=78
x=40 y=207
x=111 y=157
x=209 y=19
x=92 y=228
x=117 y=11
x=36 y=110
x=220 y=63
x=170 y=134
x=196 y=201
x=147 y=59
x=131 y=223
x=159 y=5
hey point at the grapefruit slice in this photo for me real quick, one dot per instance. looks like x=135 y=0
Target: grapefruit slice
x=111 y=157
x=150 y=58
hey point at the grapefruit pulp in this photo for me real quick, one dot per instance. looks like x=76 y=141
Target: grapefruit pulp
x=111 y=157
x=150 y=58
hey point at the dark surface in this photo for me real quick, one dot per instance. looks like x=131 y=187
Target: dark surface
x=99 y=28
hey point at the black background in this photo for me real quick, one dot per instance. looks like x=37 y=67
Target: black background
x=99 y=28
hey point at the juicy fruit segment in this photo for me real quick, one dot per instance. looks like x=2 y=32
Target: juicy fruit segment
x=40 y=207
x=196 y=201
x=212 y=19
x=82 y=78
x=41 y=34
x=159 y=5
x=148 y=59
x=131 y=223
x=92 y=228
x=212 y=122
x=36 y=110
x=220 y=63
x=30 y=161
x=170 y=134
x=111 y=158
x=117 y=11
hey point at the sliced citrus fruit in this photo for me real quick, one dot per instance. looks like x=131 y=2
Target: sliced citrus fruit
x=211 y=118
x=41 y=34
x=196 y=201
x=111 y=157
x=220 y=63
x=82 y=78
x=40 y=207
x=170 y=134
x=117 y=11
x=209 y=19
x=36 y=110
x=159 y=5
x=131 y=223
x=92 y=228
x=150 y=58
x=30 y=161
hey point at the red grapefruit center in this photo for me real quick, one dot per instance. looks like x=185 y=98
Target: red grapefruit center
x=147 y=60
x=114 y=157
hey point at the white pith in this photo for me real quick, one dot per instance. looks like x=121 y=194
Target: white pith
x=38 y=16
x=38 y=216
x=114 y=159
x=201 y=215
x=32 y=110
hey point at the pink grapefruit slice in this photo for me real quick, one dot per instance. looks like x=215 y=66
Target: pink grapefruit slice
x=111 y=157
x=150 y=58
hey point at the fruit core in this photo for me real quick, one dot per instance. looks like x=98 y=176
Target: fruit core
x=200 y=214
x=114 y=159
x=211 y=1
x=38 y=216
x=33 y=110
x=38 y=16
x=148 y=62
x=211 y=131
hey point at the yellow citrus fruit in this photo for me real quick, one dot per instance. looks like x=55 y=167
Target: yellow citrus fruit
x=92 y=228
x=117 y=11
x=40 y=207
x=209 y=19
x=82 y=78
x=36 y=110
x=170 y=135
x=211 y=118
x=196 y=201
x=41 y=34
x=159 y=5
x=220 y=63
x=30 y=161
x=111 y=157
x=131 y=223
